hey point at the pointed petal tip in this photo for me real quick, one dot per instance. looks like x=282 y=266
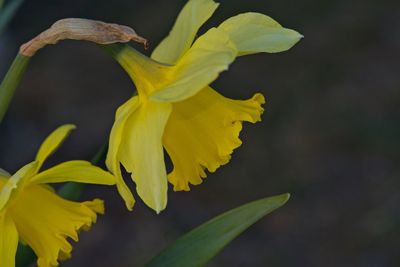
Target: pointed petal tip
x=127 y=198
x=129 y=206
x=299 y=35
x=158 y=210
x=68 y=126
x=72 y=126
x=158 y=207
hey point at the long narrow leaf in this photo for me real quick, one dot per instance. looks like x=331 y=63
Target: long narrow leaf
x=8 y=12
x=199 y=246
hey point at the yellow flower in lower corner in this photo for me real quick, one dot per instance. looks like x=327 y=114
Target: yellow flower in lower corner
x=32 y=212
x=177 y=110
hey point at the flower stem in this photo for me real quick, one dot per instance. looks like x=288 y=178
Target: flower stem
x=73 y=191
x=11 y=81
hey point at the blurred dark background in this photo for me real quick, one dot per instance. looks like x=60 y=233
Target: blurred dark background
x=330 y=134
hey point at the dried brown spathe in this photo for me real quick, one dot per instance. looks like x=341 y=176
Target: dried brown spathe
x=81 y=29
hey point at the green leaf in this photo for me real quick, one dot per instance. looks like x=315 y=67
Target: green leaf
x=25 y=256
x=73 y=191
x=200 y=245
x=8 y=12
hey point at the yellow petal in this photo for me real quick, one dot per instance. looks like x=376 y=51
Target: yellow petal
x=115 y=140
x=255 y=33
x=210 y=54
x=52 y=142
x=15 y=184
x=202 y=133
x=141 y=152
x=8 y=240
x=193 y=15
x=74 y=171
x=45 y=222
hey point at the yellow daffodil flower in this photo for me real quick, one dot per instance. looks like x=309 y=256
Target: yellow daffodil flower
x=32 y=212
x=177 y=110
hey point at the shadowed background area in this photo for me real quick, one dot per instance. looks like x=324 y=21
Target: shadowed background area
x=329 y=134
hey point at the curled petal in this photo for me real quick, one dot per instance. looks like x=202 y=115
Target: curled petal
x=116 y=136
x=141 y=152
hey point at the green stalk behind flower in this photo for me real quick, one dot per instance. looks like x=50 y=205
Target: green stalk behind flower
x=11 y=81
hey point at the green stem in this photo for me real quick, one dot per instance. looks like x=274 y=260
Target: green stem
x=11 y=81
x=71 y=191
x=25 y=256
x=101 y=154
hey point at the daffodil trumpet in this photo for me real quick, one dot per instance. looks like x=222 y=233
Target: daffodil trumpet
x=30 y=210
x=177 y=110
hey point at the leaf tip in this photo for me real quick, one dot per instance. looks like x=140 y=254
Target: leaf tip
x=286 y=197
x=283 y=198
